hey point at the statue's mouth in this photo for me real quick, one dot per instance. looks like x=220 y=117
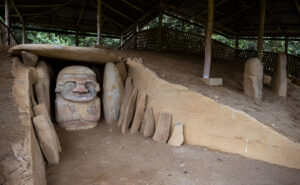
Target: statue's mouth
x=79 y=96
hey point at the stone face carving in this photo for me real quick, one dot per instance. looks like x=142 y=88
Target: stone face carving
x=77 y=106
x=279 y=79
x=253 y=78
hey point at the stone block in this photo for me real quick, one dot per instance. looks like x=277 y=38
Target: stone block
x=267 y=79
x=213 y=81
x=279 y=79
x=128 y=89
x=162 y=130
x=139 y=112
x=148 y=124
x=177 y=137
x=29 y=59
x=253 y=78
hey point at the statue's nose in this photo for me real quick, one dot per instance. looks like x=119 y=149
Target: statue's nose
x=80 y=87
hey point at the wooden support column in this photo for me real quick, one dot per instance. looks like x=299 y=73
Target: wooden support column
x=99 y=10
x=286 y=45
x=261 y=29
x=236 y=46
x=76 y=38
x=23 y=34
x=121 y=40
x=136 y=37
x=7 y=22
x=160 y=28
x=208 y=33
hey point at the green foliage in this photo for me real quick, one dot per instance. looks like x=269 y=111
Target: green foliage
x=225 y=40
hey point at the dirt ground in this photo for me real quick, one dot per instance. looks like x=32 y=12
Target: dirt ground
x=282 y=114
x=11 y=130
x=104 y=156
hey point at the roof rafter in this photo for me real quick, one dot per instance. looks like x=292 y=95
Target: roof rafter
x=81 y=12
x=133 y=6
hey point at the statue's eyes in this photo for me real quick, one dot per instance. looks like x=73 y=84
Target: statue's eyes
x=70 y=84
x=89 y=85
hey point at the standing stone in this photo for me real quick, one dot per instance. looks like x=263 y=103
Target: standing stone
x=40 y=109
x=279 y=79
x=139 y=112
x=122 y=69
x=253 y=78
x=29 y=59
x=113 y=90
x=177 y=138
x=148 y=125
x=128 y=89
x=129 y=110
x=162 y=131
x=46 y=138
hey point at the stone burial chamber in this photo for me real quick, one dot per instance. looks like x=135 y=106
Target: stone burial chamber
x=74 y=88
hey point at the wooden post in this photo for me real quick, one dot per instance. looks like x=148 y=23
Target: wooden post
x=121 y=40
x=236 y=46
x=261 y=29
x=286 y=45
x=7 y=22
x=23 y=34
x=160 y=27
x=99 y=10
x=136 y=37
x=76 y=38
x=208 y=33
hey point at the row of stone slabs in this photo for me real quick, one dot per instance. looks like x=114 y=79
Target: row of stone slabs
x=135 y=115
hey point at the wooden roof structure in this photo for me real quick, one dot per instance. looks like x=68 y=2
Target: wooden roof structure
x=235 y=18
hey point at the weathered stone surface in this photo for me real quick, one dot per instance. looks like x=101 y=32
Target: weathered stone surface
x=69 y=53
x=42 y=87
x=29 y=59
x=148 y=124
x=113 y=91
x=213 y=81
x=267 y=79
x=177 y=137
x=77 y=106
x=46 y=138
x=122 y=69
x=128 y=89
x=253 y=78
x=129 y=110
x=214 y=125
x=139 y=112
x=162 y=130
x=279 y=79
x=40 y=109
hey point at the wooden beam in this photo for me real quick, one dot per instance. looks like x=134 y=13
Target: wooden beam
x=160 y=28
x=7 y=23
x=208 y=33
x=297 y=6
x=205 y=6
x=274 y=18
x=239 y=11
x=37 y=6
x=99 y=10
x=261 y=29
x=139 y=20
x=21 y=20
x=118 y=12
x=216 y=5
x=81 y=12
x=133 y=6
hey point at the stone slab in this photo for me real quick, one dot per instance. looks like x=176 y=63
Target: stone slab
x=213 y=81
x=29 y=59
x=129 y=110
x=122 y=69
x=162 y=130
x=148 y=124
x=128 y=89
x=279 y=78
x=177 y=137
x=139 y=112
x=253 y=78
x=68 y=53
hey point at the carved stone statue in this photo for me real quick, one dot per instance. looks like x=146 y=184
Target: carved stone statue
x=77 y=106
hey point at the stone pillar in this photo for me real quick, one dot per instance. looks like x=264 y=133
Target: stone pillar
x=209 y=30
x=279 y=79
x=253 y=78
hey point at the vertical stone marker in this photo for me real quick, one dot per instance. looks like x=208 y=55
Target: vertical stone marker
x=253 y=78
x=122 y=69
x=162 y=130
x=113 y=91
x=129 y=110
x=46 y=138
x=279 y=79
x=139 y=112
x=29 y=59
x=177 y=137
x=148 y=124
x=128 y=89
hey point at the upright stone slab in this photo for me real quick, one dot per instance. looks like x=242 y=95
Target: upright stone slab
x=29 y=59
x=129 y=110
x=122 y=69
x=139 y=112
x=128 y=89
x=279 y=79
x=177 y=138
x=162 y=131
x=253 y=78
x=148 y=124
x=46 y=138
x=113 y=91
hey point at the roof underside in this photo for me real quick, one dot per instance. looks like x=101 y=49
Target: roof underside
x=234 y=17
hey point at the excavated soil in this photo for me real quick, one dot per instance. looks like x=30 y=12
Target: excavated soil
x=281 y=114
